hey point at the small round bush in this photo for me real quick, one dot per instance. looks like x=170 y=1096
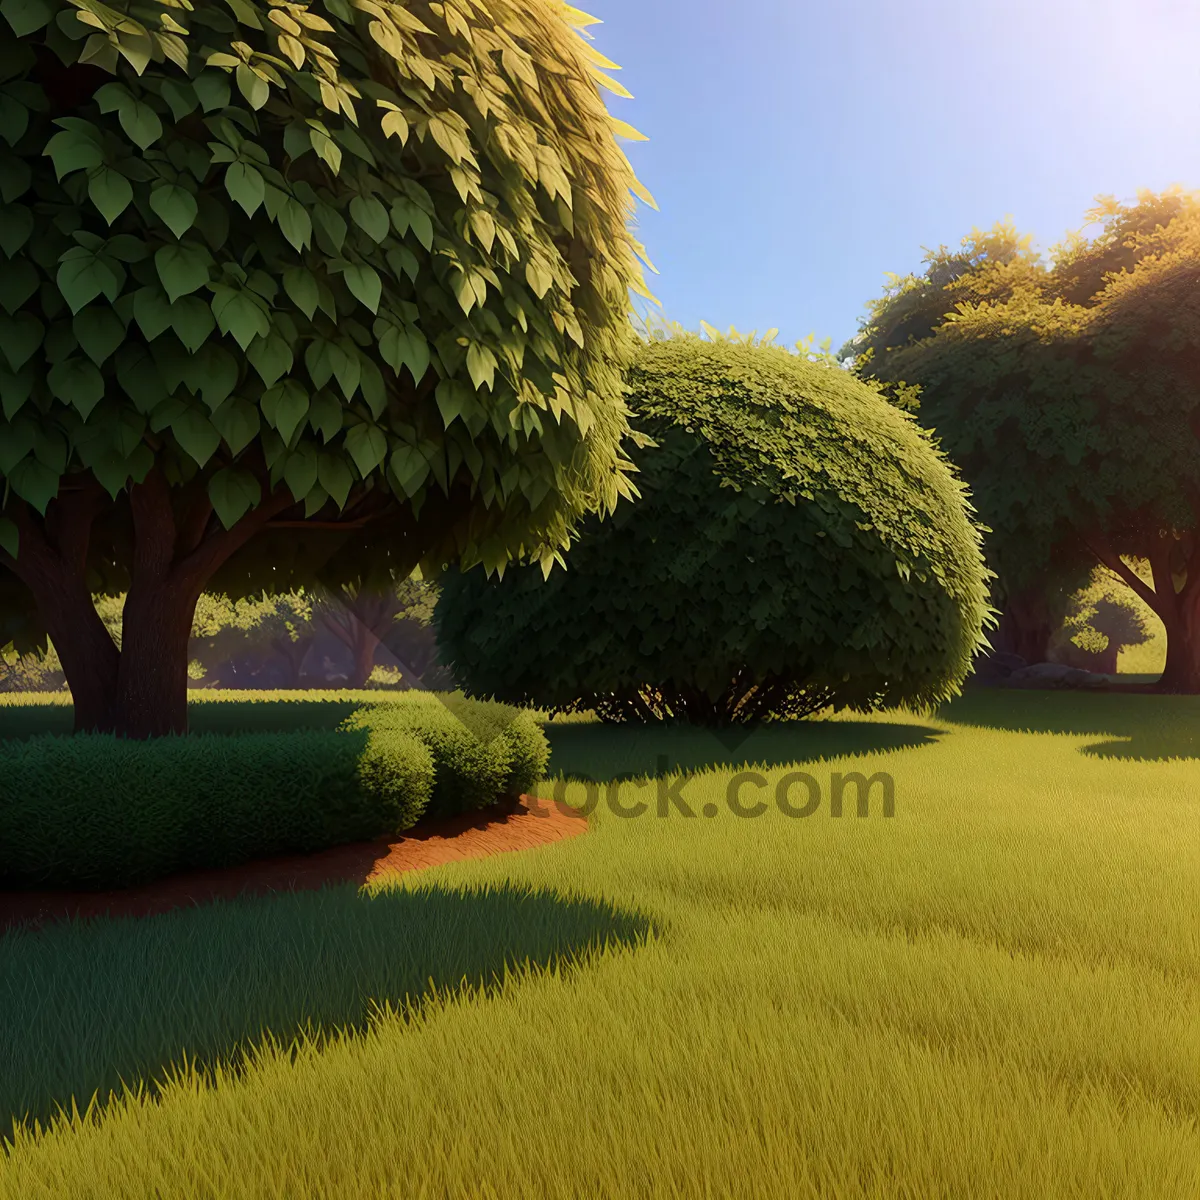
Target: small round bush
x=798 y=543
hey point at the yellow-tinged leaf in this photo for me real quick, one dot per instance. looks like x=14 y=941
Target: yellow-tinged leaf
x=388 y=39
x=394 y=124
x=578 y=19
x=310 y=20
x=293 y=49
x=621 y=129
x=639 y=190
x=286 y=23
x=612 y=85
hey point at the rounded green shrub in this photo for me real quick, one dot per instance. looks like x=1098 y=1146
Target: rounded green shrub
x=481 y=752
x=799 y=543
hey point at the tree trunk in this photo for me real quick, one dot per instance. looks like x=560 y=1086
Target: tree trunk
x=365 y=645
x=1181 y=671
x=52 y=563
x=152 y=682
x=1025 y=627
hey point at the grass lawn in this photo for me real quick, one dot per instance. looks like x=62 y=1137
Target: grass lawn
x=994 y=992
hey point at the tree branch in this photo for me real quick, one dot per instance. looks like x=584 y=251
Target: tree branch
x=1104 y=553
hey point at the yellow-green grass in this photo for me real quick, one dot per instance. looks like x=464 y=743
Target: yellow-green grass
x=995 y=992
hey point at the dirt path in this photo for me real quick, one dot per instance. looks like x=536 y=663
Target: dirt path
x=514 y=826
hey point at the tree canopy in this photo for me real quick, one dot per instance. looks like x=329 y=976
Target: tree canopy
x=296 y=289
x=797 y=543
x=1074 y=415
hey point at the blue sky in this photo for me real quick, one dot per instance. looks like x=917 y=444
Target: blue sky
x=798 y=151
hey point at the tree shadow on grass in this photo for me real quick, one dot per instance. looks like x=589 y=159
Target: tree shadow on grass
x=1142 y=727
x=604 y=753
x=88 y=1006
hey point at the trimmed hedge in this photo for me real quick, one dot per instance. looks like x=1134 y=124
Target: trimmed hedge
x=481 y=750
x=96 y=811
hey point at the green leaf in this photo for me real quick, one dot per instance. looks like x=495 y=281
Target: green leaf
x=16 y=178
x=245 y=186
x=330 y=222
x=15 y=389
x=372 y=386
x=18 y=282
x=9 y=537
x=409 y=467
x=237 y=422
x=138 y=374
x=99 y=332
x=110 y=192
x=34 y=482
x=18 y=441
x=326 y=148
x=453 y=397
x=364 y=284
x=271 y=357
x=182 y=268
x=84 y=275
x=26 y=16
x=192 y=320
x=403 y=262
x=233 y=492
x=73 y=150
x=240 y=314
x=367 y=446
x=422 y=227
x=285 y=406
x=256 y=89
x=152 y=312
x=334 y=476
x=212 y=374
x=14 y=119
x=302 y=289
x=326 y=415
x=300 y=470
x=481 y=365
x=76 y=382
x=316 y=500
x=370 y=216
x=196 y=435
x=181 y=97
x=212 y=89
x=20 y=336
x=347 y=367
x=295 y=224
x=16 y=224
x=405 y=347
x=175 y=206
x=140 y=122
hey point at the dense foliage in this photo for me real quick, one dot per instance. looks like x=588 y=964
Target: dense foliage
x=798 y=543
x=265 y=778
x=1073 y=415
x=95 y=811
x=294 y=290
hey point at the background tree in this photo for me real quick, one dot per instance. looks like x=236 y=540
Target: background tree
x=295 y=289
x=1076 y=422
x=1103 y=619
x=1038 y=570
x=798 y=543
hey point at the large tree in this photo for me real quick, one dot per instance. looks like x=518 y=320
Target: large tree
x=1073 y=409
x=295 y=289
x=998 y=274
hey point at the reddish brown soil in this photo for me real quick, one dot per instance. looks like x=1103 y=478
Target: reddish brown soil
x=513 y=826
